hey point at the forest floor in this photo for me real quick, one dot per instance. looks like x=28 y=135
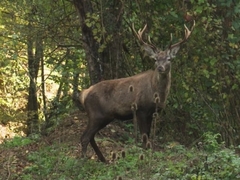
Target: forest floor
x=57 y=156
x=109 y=139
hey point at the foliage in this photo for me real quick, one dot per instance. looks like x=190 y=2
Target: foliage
x=60 y=62
x=19 y=141
x=206 y=86
x=13 y=72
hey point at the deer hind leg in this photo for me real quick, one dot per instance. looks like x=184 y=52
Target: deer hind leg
x=84 y=142
x=97 y=150
x=88 y=136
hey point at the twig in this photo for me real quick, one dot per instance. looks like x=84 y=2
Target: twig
x=8 y=167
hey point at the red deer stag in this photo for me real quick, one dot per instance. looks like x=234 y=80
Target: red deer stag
x=117 y=98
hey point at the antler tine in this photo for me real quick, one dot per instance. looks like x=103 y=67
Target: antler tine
x=193 y=25
x=140 y=32
x=139 y=35
x=151 y=44
x=187 y=34
x=170 y=44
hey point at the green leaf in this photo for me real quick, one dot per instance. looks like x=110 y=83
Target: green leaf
x=206 y=73
x=173 y=13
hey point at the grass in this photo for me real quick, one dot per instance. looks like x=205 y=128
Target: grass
x=209 y=160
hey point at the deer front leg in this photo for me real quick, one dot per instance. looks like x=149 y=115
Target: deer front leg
x=134 y=111
x=163 y=99
x=144 y=123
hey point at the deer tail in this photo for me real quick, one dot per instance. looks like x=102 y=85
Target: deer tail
x=76 y=99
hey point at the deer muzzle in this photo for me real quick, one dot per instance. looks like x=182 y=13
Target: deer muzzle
x=161 y=69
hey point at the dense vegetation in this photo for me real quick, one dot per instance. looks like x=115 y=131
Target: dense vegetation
x=50 y=48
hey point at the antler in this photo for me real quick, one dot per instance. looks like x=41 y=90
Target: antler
x=187 y=34
x=139 y=36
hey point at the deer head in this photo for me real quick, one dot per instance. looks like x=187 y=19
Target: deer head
x=162 y=58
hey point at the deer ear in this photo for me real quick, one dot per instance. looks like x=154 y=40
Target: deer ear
x=172 y=52
x=148 y=51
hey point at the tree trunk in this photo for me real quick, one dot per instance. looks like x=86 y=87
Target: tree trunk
x=104 y=64
x=112 y=54
x=32 y=106
x=89 y=43
x=33 y=68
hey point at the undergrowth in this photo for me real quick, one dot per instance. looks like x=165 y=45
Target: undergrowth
x=207 y=160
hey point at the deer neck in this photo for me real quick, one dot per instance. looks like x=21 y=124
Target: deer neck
x=161 y=82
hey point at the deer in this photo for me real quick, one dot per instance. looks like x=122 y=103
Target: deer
x=137 y=96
